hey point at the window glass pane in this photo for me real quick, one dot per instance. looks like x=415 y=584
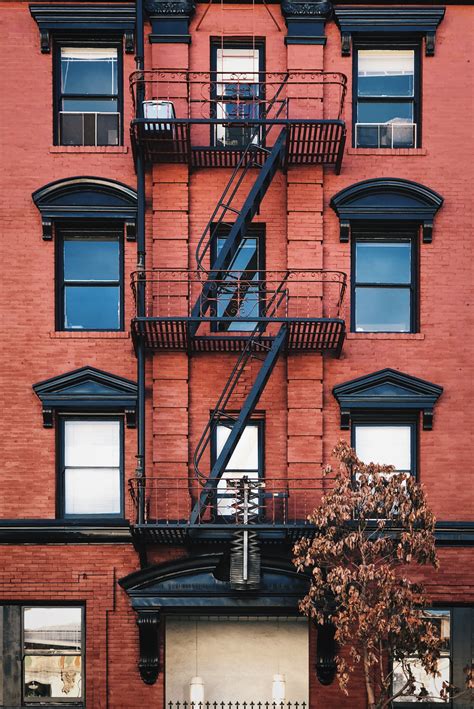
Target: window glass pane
x=238 y=61
x=386 y=135
x=53 y=676
x=91 y=491
x=107 y=129
x=82 y=310
x=386 y=445
x=386 y=72
x=91 y=70
x=382 y=309
x=92 y=443
x=91 y=259
x=433 y=685
x=246 y=257
x=387 y=262
x=387 y=112
x=84 y=105
x=441 y=620
x=240 y=299
x=52 y=629
x=245 y=455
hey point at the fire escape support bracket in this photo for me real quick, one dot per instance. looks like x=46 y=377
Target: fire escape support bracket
x=245 y=413
x=148 y=623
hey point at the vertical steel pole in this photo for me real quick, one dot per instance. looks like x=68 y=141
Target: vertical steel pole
x=141 y=260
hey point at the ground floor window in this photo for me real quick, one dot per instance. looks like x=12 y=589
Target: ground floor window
x=233 y=659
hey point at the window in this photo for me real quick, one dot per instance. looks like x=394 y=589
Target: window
x=237 y=90
x=384 y=282
x=88 y=96
x=91 y=477
x=239 y=296
x=246 y=460
x=386 y=98
x=89 y=282
x=441 y=620
x=386 y=444
x=52 y=654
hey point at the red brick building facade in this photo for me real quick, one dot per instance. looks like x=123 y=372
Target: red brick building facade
x=328 y=289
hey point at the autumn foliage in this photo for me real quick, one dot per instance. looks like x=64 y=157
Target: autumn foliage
x=372 y=526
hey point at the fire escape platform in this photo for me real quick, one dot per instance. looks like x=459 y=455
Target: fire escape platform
x=309 y=142
x=324 y=335
x=181 y=532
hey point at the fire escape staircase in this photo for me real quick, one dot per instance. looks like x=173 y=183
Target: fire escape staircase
x=245 y=555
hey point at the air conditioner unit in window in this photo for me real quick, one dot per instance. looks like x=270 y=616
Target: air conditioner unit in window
x=158 y=111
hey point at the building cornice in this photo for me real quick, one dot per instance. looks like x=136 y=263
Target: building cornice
x=84 y=17
x=39 y=531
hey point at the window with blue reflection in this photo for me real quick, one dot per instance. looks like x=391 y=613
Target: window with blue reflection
x=238 y=295
x=91 y=281
x=383 y=292
x=89 y=111
x=385 y=112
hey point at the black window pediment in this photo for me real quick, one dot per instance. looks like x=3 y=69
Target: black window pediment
x=387 y=389
x=87 y=389
x=82 y=18
x=86 y=198
x=402 y=22
x=386 y=199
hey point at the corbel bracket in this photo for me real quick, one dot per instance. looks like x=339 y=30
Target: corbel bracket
x=45 y=41
x=344 y=232
x=148 y=623
x=345 y=420
x=427 y=232
x=346 y=44
x=428 y=419
x=47 y=229
x=48 y=417
x=130 y=231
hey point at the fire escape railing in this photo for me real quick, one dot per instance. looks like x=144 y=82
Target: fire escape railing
x=194 y=94
x=241 y=295
x=275 y=501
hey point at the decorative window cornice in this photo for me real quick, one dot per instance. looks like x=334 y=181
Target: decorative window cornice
x=387 y=390
x=383 y=21
x=87 y=390
x=386 y=199
x=118 y=18
x=86 y=198
x=170 y=21
x=305 y=20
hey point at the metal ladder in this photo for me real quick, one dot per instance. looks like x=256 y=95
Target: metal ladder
x=241 y=218
x=254 y=349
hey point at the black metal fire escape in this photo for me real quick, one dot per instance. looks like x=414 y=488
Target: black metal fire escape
x=244 y=548
x=279 y=325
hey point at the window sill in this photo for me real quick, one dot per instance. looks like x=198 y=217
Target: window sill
x=413 y=152
x=120 y=149
x=385 y=336
x=89 y=335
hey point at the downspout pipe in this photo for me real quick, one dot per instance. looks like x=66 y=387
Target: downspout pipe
x=141 y=265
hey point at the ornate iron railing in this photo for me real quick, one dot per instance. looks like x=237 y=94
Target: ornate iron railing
x=241 y=295
x=237 y=499
x=242 y=96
